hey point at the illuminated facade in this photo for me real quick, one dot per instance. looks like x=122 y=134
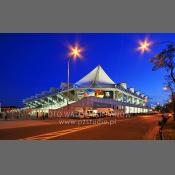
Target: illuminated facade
x=97 y=84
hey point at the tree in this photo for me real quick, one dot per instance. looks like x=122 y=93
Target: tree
x=165 y=108
x=166 y=60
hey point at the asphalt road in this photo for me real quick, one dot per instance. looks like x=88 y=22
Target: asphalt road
x=135 y=128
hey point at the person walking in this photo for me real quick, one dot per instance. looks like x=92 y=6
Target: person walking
x=165 y=117
x=162 y=123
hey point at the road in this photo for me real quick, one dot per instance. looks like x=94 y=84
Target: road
x=134 y=128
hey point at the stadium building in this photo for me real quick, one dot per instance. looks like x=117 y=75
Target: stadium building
x=95 y=90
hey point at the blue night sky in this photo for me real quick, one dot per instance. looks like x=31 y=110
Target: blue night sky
x=32 y=63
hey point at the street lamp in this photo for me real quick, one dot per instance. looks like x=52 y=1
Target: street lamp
x=74 y=53
x=144 y=46
x=165 y=88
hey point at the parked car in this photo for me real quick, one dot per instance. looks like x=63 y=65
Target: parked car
x=92 y=114
x=72 y=115
x=105 y=114
x=80 y=114
x=101 y=114
x=111 y=114
x=76 y=115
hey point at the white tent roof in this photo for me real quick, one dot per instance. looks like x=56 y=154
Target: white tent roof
x=97 y=77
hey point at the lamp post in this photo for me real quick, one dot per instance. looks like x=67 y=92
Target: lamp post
x=68 y=79
x=74 y=53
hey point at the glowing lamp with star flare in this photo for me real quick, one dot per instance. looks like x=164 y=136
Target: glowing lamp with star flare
x=144 y=46
x=75 y=51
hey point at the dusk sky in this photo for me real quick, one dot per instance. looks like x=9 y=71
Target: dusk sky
x=32 y=63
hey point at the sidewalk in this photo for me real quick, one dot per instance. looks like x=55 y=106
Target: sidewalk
x=169 y=130
x=152 y=134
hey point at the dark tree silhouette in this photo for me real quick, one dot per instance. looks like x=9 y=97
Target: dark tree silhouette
x=166 y=60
